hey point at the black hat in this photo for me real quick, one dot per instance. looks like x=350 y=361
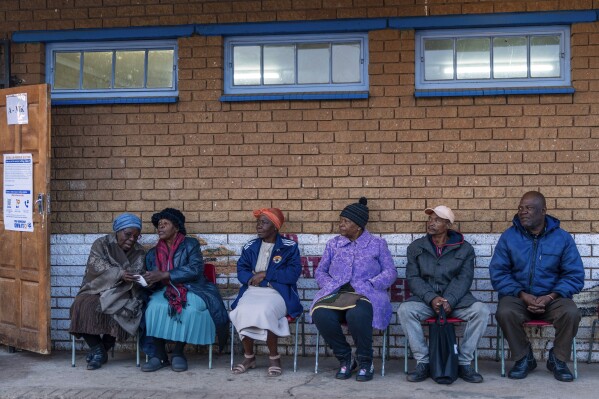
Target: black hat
x=357 y=213
x=173 y=215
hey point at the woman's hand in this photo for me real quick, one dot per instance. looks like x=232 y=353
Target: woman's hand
x=257 y=279
x=156 y=276
x=129 y=277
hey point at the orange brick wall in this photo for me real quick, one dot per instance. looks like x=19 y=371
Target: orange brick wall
x=217 y=161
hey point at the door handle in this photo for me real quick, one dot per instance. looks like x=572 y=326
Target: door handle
x=40 y=203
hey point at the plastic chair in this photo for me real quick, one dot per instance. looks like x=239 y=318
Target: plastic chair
x=451 y=320
x=384 y=355
x=290 y=320
x=73 y=350
x=539 y=324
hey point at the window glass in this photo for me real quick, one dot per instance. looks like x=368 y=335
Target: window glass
x=473 y=58
x=97 y=69
x=509 y=57
x=160 y=69
x=279 y=64
x=67 y=67
x=346 y=62
x=129 y=69
x=545 y=56
x=313 y=63
x=439 y=59
x=246 y=65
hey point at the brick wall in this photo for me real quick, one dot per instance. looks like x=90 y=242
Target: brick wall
x=216 y=161
x=70 y=251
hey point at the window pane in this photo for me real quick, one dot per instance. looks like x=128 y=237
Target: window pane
x=313 y=63
x=279 y=64
x=160 y=68
x=246 y=65
x=473 y=58
x=346 y=63
x=67 y=68
x=97 y=69
x=509 y=57
x=129 y=69
x=438 y=56
x=545 y=57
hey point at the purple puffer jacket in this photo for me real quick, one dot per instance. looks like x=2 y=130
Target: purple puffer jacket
x=366 y=264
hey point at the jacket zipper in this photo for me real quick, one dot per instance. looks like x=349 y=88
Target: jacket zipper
x=533 y=265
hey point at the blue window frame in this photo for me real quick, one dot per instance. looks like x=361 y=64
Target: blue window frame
x=514 y=57
x=112 y=72
x=296 y=64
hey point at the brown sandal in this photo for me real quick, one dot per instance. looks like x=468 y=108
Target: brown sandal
x=275 y=366
x=248 y=363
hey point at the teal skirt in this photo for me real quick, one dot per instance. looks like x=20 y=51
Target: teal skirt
x=195 y=326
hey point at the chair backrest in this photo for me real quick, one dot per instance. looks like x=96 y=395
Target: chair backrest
x=210 y=272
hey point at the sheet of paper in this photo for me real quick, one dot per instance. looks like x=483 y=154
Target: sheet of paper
x=141 y=280
x=18 y=187
x=16 y=109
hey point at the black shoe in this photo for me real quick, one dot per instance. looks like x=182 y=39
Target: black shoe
x=98 y=357
x=420 y=373
x=178 y=363
x=108 y=345
x=345 y=369
x=366 y=372
x=523 y=366
x=468 y=374
x=560 y=370
x=154 y=364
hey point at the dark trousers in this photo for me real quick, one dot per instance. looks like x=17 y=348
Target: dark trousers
x=359 y=323
x=95 y=340
x=562 y=313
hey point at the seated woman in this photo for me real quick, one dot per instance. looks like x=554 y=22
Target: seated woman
x=185 y=307
x=354 y=274
x=268 y=270
x=108 y=305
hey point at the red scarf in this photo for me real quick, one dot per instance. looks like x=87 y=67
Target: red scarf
x=176 y=295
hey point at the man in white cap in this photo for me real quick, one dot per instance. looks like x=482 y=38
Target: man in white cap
x=440 y=270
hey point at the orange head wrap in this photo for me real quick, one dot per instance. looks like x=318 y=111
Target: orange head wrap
x=273 y=214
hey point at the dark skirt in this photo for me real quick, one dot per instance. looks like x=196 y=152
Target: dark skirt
x=86 y=318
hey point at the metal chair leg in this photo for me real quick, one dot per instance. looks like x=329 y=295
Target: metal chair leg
x=232 y=344
x=317 y=349
x=296 y=342
x=575 y=361
x=137 y=349
x=210 y=356
x=385 y=335
x=502 y=351
x=72 y=351
x=405 y=357
x=592 y=340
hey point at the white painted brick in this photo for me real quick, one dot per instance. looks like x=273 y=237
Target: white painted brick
x=67 y=239
x=482 y=238
x=312 y=250
x=586 y=239
x=404 y=239
x=240 y=239
x=584 y=250
x=90 y=238
x=64 y=302
x=215 y=239
x=306 y=239
x=324 y=238
x=483 y=250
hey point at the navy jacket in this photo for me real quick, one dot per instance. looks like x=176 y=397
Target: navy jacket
x=283 y=271
x=538 y=265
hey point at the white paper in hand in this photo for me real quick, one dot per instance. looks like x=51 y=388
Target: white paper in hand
x=141 y=280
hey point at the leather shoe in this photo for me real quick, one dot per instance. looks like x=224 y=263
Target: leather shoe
x=420 y=373
x=468 y=374
x=560 y=370
x=178 y=363
x=98 y=357
x=345 y=369
x=523 y=366
x=154 y=364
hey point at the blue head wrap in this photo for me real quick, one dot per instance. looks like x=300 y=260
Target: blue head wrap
x=126 y=220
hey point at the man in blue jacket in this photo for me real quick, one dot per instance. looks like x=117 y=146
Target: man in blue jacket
x=536 y=268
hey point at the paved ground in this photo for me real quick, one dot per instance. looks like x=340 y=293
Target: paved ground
x=27 y=375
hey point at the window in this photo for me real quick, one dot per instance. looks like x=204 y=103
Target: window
x=112 y=70
x=498 y=58
x=296 y=64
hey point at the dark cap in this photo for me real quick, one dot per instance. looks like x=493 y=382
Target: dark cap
x=357 y=213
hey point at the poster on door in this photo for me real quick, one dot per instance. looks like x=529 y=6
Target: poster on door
x=18 y=188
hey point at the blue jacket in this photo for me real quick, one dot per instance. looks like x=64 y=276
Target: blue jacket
x=283 y=271
x=538 y=265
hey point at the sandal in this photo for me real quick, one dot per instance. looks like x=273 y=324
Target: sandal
x=248 y=363
x=275 y=366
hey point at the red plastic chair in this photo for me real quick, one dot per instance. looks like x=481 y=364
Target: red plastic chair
x=539 y=324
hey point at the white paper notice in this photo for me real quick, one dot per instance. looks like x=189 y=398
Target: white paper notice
x=18 y=187
x=16 y=109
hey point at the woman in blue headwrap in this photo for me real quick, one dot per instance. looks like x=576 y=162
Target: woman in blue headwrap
x=108 y=306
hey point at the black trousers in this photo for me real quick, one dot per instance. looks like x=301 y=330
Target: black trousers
x=359 y=323
x=562 y=313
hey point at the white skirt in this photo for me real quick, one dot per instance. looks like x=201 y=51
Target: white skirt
x=260 y=309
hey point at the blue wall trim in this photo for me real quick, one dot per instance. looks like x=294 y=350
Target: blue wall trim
x=103 y=34
x=295 y=96
x=494 y=20
x=493 y=92
x=287 y=27
x=127 y=100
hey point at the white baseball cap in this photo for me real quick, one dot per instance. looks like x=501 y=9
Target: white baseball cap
x=442 y=211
